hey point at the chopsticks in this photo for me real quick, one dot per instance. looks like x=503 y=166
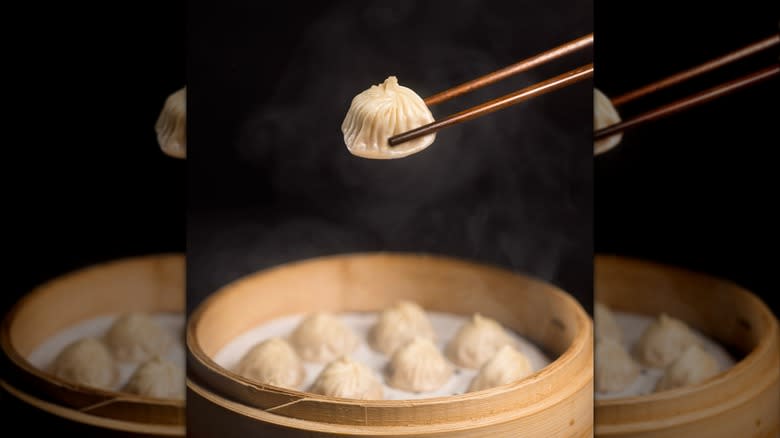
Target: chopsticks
x=507 y=100
x=697 y=98
x=689 y=102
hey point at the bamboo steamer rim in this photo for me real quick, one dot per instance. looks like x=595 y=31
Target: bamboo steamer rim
x=93 y=420
x=460 y=427
x=763 y=346
x=46 y=287
x=579 y=345
x=746 y=366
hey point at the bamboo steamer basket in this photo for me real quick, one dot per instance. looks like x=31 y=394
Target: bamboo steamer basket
x=743 y=401
x=152 y=283
x=557 y=401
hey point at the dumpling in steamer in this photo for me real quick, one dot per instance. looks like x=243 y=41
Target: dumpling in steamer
x=346 y=378
x=381 y=112
x=136 y=337
x=615 y=368
x=664 y=341
x=418 y=366
x=508 y=365
x=693 y=366
x=158 y=378
x=87 y=362
x=605 y=324
x=604 y=114
x=398 y=325
x=273 y=362
x=322 y=337
x=477 y=341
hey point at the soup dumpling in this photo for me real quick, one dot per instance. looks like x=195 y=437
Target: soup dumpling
x=605 y=324
x=158 y=378
x=137 y=337
x=693 y=366
x=381 y=112
x=508 y=365
x=321 y=337
x=615 y=369
x=273 y=362
x=418 y=366
x=663 y=341
x=171 y=126
x=604 y=114
x=346 y=378
x=477 y=341
x=398 y=325
x=87 y=362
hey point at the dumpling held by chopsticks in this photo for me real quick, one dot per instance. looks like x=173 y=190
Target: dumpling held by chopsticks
x=171 y=126
x=604 y=114
x=383 y=111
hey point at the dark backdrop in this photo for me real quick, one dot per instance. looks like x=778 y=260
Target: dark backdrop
x=83 y=178
x=699 y=189
x=271 y=180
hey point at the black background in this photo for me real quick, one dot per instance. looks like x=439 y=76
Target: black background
x=84 y=179
x=271 y=180
x=699 y=189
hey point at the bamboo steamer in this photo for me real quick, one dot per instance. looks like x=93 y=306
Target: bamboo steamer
x=152 y=283
x=557 y=401
x=743 y=401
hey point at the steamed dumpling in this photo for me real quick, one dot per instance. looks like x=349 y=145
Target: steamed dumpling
x=273 y=362
x=322 y=337
x=158 y=378
x=477 y=341
x=137 y=337
x=418 y=366
x=171 y=126
x=381 y=112
x=664 y=341
x=693 y=366
x=606 y=326
x=604 y=114
x=508 y=365
x=615 y=368
x=399 y=324
x=87 y=362
x=346 y=378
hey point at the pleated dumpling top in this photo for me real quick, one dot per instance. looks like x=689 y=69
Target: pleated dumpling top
x=381 y=112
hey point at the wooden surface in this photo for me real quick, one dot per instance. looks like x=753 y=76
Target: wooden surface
x=743 y=401
x=556 y=401
x=151 y=283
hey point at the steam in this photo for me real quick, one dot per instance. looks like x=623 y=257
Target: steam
x=512 y=188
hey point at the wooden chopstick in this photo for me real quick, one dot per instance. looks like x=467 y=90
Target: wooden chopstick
x=698 y=70
x=514 y=98
x=510 y=99
x=689 y=102
x=698 y=98
x=501 y=74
